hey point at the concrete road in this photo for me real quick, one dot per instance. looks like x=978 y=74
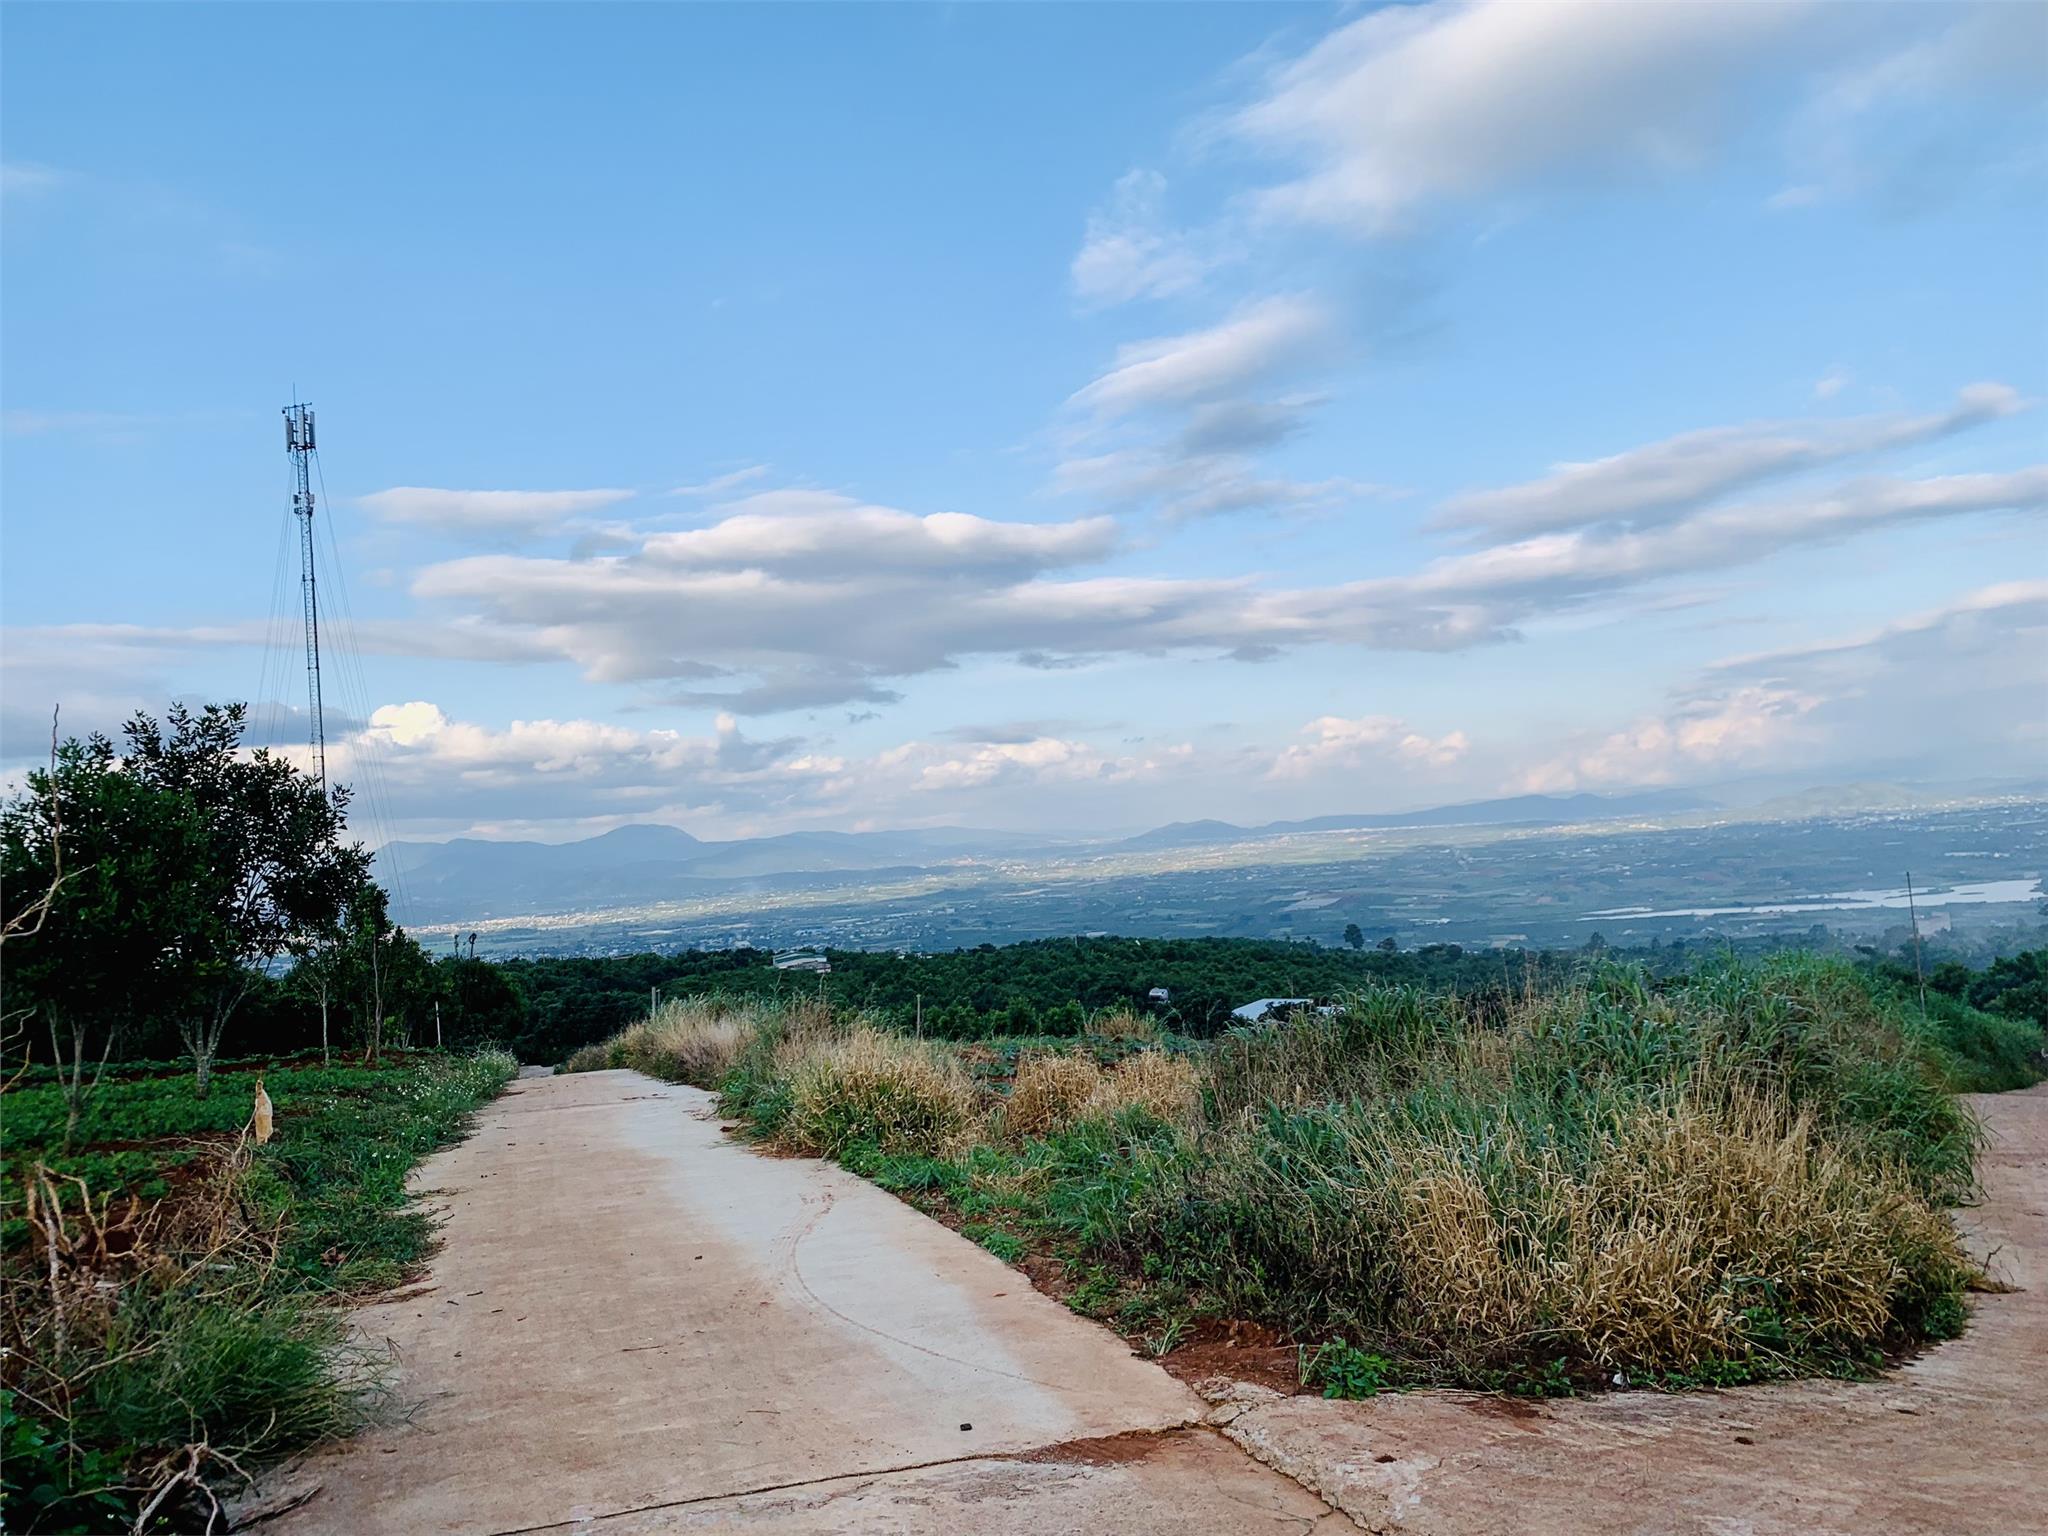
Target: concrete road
x=637 y=1326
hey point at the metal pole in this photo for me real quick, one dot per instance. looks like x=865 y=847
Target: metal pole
x=299 y=444
x=1919 y=970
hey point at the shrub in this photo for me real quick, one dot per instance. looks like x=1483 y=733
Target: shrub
x=1121 y=1024
x=1736 y=1174
x=696 y=1041
x=898 y=1095
x=1345 y=1371
x=1165 y=1087
x=1049 y=1093
x=1976 y=1052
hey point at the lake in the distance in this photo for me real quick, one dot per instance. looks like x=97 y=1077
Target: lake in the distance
x=1988 y=891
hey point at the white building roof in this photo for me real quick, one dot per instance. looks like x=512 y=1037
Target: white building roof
x=1258 y=1008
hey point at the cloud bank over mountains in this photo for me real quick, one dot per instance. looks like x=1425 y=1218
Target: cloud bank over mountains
x=740 y=649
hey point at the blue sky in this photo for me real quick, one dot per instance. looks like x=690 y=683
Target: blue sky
x=1037 y=416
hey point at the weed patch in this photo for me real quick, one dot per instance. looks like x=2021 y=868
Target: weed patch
x=170 y=1319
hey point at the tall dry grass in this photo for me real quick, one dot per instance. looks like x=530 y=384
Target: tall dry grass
x=1051 y=1091
x=866 y=1086
x=694 y=1040
x=1048 y=1093
x=1168 y=1088
x=1121 y=1024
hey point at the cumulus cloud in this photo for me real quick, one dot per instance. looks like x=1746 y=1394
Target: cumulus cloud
x=1129 y=252
x=1955 y=690
x=553 y=775
x=1265 y=338
x=418 y=733
x=522 y=513
x=1659 y=481
x=1412 y=105
x=429 y=769
x=1337 y=743
x=930 y=767
x=1743 y=727
x=817 y=533
x=803 y=600
x=797 y=598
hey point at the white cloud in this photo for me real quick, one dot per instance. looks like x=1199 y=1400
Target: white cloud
x=1832 y=383
x=587 y=775
x=1198 y=461
x=418 y=733
x=718 y=485
x=818 y=533
x=1745 y=727
x=1337 y=743
x=525 y=513
x=1414 y=105
x=1906 y=126
x=430 y=769
x=1260 y=340
x=1652 y=484
x=1129 y=253
x=823 y=600
x=1952 y=692
x=20 y=177
x=928 y=767
x=1556 y=567
x=1186 y=485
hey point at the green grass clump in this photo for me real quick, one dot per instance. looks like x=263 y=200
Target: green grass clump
x=219 y=1328
x=1975 y=1051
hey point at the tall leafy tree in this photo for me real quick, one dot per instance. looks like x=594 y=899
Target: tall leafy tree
x=272 y=867
x=110 y=853
x=389 y=982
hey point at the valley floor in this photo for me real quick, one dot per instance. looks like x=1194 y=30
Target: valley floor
x=639 y=1326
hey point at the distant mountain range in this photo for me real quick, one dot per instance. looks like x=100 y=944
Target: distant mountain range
x=1517 y=810
x=469 y=879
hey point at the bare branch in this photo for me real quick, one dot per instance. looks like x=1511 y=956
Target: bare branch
x=29 y=920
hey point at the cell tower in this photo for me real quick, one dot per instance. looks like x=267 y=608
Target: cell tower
x=299 y=444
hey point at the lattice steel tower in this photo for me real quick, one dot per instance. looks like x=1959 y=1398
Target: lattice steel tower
x=299 y=444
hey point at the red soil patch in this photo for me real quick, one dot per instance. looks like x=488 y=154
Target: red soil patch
x=1241 y=1350
x=1100 y=1451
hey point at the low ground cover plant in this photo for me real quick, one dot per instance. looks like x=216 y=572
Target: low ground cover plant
x=1736 y=1174
x=171 y=1287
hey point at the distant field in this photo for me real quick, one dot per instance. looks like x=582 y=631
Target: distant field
x=1689 y=877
